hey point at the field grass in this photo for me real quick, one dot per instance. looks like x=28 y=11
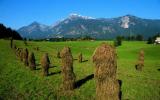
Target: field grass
x=19 y=82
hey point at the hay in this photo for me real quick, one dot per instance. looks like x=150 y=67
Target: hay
x=45 y=64
x=17 y=52
x=139 y=66
x=108 y=90
x=31 y=60
x=80 y=57
x=107 y=86
x=25 y=57
x=21 y=54
x=68 y=76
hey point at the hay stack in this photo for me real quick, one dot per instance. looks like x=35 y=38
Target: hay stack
x=67 y=69
x=25 y=57
x=107 y=86
x=31 y=60
x=17 y=52
x=45 y=64
x=80 y=58
x=140 y=64
x=21 y=54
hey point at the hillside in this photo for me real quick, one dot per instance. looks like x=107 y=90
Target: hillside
x=101 y=28
x=19 y=82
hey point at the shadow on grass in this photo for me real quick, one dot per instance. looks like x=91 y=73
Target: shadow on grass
x=120 y=91
x=54 y=73
x=38 y=64
x=84 y=61
x=83 y=81
x=38 y=68
x=52 y=66
x=158 y=69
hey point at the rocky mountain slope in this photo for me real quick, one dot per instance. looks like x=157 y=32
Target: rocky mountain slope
x=102 y=28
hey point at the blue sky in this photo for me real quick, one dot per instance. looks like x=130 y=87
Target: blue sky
x=18 y=13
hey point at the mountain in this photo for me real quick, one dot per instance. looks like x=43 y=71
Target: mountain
x=102 y=28
x=35 y=30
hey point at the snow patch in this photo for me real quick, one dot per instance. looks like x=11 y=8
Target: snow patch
x=83 y=27
x=125 y=22
x=74 y=15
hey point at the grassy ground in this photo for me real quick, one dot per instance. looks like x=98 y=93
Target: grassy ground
x=19 y=82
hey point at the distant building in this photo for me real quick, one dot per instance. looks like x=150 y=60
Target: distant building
x=157 y=41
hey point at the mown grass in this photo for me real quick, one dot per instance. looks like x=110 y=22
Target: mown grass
x=19 y=82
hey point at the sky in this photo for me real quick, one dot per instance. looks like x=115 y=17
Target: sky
x=18 y=13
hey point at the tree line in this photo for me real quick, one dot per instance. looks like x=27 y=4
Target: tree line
x=6 y=33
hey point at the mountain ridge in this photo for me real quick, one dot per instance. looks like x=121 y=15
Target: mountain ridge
x=78 y=26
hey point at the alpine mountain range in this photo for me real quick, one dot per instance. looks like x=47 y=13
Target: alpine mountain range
x=100 y=28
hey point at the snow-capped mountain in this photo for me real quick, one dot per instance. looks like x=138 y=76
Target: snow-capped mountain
x=78 y=26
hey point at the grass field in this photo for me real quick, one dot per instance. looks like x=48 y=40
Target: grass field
x=19 y=82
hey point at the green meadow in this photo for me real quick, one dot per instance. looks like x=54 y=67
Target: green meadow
x=18 y=82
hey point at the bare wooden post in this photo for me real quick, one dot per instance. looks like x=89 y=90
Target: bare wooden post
x=11 y=42
x=80 y=58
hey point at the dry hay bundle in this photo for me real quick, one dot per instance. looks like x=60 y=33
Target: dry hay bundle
x=45 y=64
x=21 y=54
x=140 y=63
x=67 y=69
x=108 y=90
x=107 y=86
x=17 y=52
x=25 y=57
x=80 y=57
x=31 y=60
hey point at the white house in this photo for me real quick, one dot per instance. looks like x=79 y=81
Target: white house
x=157 y=41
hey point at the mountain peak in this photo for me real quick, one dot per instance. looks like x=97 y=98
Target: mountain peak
x=35 y=23
x=74 y=15
x=130 y=16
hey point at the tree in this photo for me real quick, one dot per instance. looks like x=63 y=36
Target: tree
x=8 y=32
x=150 y=40
x=118 y=41
x=139 y=37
